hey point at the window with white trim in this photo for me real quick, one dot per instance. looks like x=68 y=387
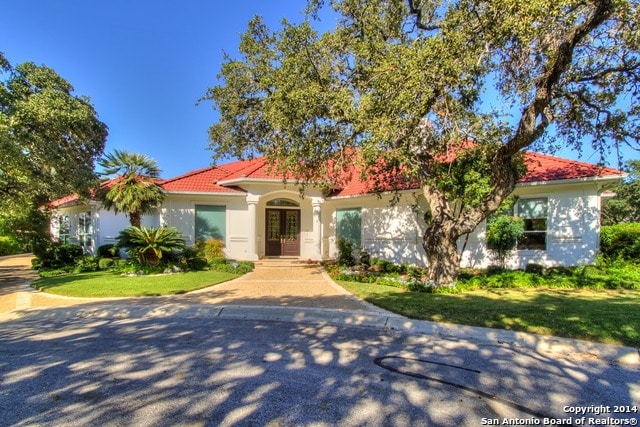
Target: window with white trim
x=534 y=212
x=85 y=231
x=64 y=229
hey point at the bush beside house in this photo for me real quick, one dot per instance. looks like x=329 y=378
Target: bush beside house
x=620 y=242
x=153 y=250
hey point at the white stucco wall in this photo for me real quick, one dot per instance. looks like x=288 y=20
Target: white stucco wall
x=391 y=232
x=395 y=232
x=179 y=211
x=106 y=225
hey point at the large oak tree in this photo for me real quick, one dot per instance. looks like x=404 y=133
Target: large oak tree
x=49 y=137
x=448 y=94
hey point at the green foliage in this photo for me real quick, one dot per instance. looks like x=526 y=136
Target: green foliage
x=106 y=263
x=534 y=268
x=625 y=206
x=134 y=189
x=192 y=258
x=49 y=137
x=617 y=274
x=9 y=246
x=211 y=249
x=150 y=244
x=57 y=256
x=27 y=225
x=604 y=316
x=86 y=264
x=231 y=266
x=365 y=258
x=107 y=251
x=620 y=241
x=503 y=233
x=345 y=253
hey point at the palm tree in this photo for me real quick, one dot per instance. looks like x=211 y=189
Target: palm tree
x=134 y=187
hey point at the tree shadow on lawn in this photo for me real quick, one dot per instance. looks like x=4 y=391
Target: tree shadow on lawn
x=605 y=316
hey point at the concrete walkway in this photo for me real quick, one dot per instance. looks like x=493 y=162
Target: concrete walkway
x=275 y=292
x=273 y=283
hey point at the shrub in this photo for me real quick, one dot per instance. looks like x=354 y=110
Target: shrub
x=57 y=256
x=620 y=241
x=150 y=244
x=503 y=234
x=193 y=259
x=231 y=266
x=67 y=254
x=365 y=258
x=345 y=253
x=212 y=248
x=107 y=251
x=105 y=263
x=9 y=246
x=86 y=264
x=534 y=268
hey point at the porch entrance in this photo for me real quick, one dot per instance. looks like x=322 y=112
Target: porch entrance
x=282 y=232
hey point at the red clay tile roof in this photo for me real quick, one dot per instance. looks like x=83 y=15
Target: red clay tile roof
x=208 y=180
x=73 y=198
x=541 y=168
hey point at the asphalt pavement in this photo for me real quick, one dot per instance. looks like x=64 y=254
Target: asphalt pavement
x=200 y=360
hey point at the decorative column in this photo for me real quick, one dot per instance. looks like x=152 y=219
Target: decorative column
x=252 y=254
x=316 y=203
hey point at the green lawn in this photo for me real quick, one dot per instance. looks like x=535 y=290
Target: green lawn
x=608 y=316
x=109 y=284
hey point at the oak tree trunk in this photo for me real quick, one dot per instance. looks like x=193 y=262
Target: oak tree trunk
x=441 y=247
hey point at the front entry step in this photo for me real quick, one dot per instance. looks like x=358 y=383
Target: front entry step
x=284 y=262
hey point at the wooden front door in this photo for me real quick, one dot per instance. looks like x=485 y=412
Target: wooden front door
x=283 y=232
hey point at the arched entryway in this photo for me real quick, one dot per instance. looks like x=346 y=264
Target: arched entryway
x=282 y=228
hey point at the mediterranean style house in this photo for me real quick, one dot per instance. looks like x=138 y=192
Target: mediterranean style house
x=256 y=214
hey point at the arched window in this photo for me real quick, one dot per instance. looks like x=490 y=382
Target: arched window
x=288 y=203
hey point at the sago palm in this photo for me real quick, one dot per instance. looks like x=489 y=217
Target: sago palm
x=134 y=187
x=150 y=244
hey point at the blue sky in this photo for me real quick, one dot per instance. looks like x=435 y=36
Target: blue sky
x=144 y=64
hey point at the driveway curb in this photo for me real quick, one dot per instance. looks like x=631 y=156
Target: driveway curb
x=628 y=356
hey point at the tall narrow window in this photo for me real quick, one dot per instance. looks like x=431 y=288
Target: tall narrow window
x=210 y=222
x=349 y=226
x=534 y=214
x=85 y=231
x=64 y=228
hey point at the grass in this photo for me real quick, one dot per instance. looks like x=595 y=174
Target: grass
x=608 y=316
x=109 y=284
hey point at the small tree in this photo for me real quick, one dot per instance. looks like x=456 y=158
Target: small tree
x=503 y=234
x=135 y=190
x=625 y=206
x=345 y=253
